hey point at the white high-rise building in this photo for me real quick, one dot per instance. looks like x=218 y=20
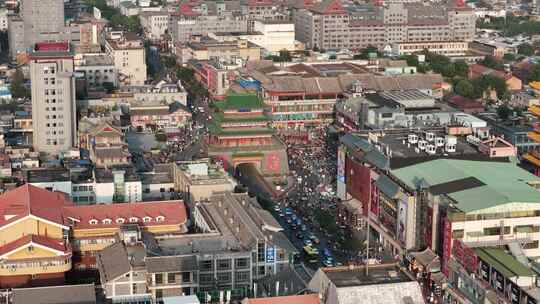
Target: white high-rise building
x=53 y=97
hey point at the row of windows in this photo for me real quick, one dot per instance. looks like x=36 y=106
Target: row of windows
x=174 y=277
x=224 y=264
x=83 y=188
x=121 y=220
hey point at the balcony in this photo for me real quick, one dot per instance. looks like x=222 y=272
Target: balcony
x=35 y=266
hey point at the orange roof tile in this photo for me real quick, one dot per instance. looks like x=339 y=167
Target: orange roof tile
x=168 y=212
x=31 y=200
x=36 y=239
x=300 y=299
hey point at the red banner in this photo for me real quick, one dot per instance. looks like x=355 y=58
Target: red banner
x=358 y=182
x=447 y=244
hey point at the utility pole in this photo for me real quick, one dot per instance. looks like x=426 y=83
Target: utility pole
x=367 y=246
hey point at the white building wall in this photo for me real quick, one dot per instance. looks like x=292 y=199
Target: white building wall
x=55 y=186
x=104 y=193
x=276 y=36
x=154 y=191
x=477 y=228
x=133 y=191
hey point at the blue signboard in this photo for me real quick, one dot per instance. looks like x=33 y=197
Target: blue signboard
x=270 y=254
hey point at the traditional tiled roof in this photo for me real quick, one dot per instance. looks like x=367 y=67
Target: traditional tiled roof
x=114 y=215
x=328 y=85
x=31 y=200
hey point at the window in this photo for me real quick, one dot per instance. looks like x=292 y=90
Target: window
x=457 y=234
x=171 y=277
x=224 y=277
x=206 y=278
x=120 y=220
x=531 y=245
x=159 y=278
x=206 y=265
x=224 y=264
x=160 y=218
x=93 y=222
x=241 y=276
x=242 y=263
x=496 y=230
x=186 y=277
x=159 y=293
x=133 y=219
x=147 y=219
x=107 y=221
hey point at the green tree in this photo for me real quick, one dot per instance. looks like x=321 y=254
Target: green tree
x=485 y=82
x=509 y=57
x=491 y=62
x=503 y=111
x=365 y=53
x=461 y=68
x=133 y=23
x=352 y=244
x=18 y=89
x=168 y=61
x=185 y=74
x=285 y=56
x=464 y=88
x=526 y=49
x=326 y=220
x=535 y=73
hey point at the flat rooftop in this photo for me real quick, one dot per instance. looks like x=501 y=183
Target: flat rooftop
x=475 y=185
x=47 y=175
x=96 y=60
x=404 y=150
x=377 y=274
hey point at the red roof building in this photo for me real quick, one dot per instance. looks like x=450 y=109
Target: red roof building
x=146 y=214
x=32 y=201
x=466 y=105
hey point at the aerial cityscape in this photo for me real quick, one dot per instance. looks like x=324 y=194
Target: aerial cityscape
x=269 y=152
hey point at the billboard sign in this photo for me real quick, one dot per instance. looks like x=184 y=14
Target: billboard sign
x=270 y=255
x=341 y=165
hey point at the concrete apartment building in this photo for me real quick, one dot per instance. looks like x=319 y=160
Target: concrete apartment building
x=182 y=26
x=155 y=24
x=39 y=20
x=97 y=69
x=276 y=35
x=53 y=97
x=199 y=179
x=207 y=48
x=128 y=55
x=446 y=48
x=330 y=25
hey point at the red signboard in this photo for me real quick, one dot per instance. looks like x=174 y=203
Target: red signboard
x=358 y=181
x=465 y=256
x=447 y=244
